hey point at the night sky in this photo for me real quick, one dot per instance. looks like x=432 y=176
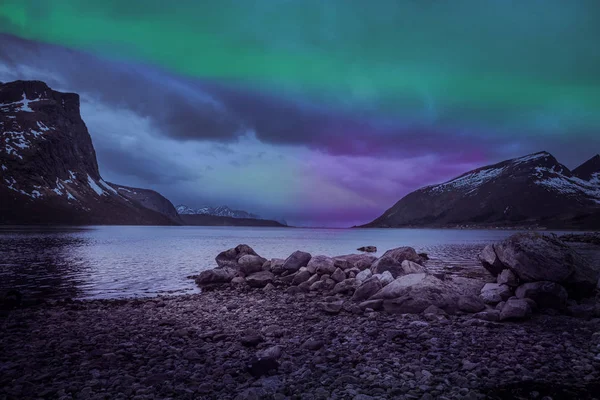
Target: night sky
x=322 y=112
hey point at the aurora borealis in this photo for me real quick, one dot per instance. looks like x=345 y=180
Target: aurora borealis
x=324 y=112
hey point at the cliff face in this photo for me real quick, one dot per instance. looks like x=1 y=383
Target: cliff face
x=48 y=168
x=535 y=190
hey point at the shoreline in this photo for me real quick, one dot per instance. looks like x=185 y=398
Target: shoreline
x=200 y=346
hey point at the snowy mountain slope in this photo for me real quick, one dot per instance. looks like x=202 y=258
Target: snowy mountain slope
x=48 y=168
x=535 y=190
x=220 y=211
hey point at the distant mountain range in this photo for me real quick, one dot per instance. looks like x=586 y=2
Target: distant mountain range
x=49 y=173
x=534 y=191
x=220 y=211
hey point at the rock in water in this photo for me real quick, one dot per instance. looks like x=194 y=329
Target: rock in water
x=296 y=260
x=515 y=309
x=368 y=249
x=229 y=258
x=545 y=294
x=392 y=260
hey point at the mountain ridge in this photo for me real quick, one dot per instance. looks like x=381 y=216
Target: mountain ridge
x=530 y=191
x=218 y=211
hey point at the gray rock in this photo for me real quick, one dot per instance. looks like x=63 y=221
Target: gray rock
x=248 y=264
x=277 y=266
x=372 y=304
x=392 y=260
x=333 y=307
x=271 y=353
x=515 y=309
x=238 y=280
x=269 y=287
x=229 y=258
x=301 y=276
x=493 y=293
x=368 y=249
x=347 y=286
x=322 y=285
x=385 y=278
x=360 y=261
x=488 y=315
x=364 y=275
x=367 y=289
x=470 y=304
x=534 y=257
x=338 y=275
x=507 y=277
x=409 y=267
x=296 y=260
x=398 y=287
x=259 y=279
x=217 y=275
x=322 y=265
x=490 y=260
x=545 y=294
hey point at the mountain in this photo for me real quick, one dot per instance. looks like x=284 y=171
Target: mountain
x=531 y=191
x=213 y=220
x=220 y=211
x=589 y=170
x=48 y=168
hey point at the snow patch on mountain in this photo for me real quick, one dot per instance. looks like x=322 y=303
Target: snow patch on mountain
x=23 y=105
x=95 y=186
x=220 y=211
x=469 y=182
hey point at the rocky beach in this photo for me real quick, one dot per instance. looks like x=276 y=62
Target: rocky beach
x=315 y=327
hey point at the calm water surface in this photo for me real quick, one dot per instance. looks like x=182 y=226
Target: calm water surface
x=130 y=261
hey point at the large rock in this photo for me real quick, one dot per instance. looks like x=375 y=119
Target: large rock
x=322 y=265
x=259 y=279
x=360 y=261
x=507 y=277
x=217 y=275
x=416 y=292
x=347 y=286
x=277 y=266
x=249 y=264
x=545 y=294
x=490 y=260
x=229 y=258
x=338 y=275
x=515 y=309
x=494 y=293
x=392 y=260
x=368 y=249
x=385 y=278
x=534 y=257
x=470 y=304
x=364 y=275
x=301 y=276
x=367 y=289
x=296 y=260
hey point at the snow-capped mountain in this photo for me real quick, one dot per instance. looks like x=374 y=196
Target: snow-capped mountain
x=535 y=190
x=48 y=168
x=220 y=211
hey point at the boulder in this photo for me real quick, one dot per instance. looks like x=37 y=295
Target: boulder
x=490 y=261
x=360 y=261
x=312 y=279
x=301 y=276
x=338 y=275
x=515 y=309
x=470 y=304
x=322 y=265
x=409 y=267
x=368 y=249
x=364 y=275
x=545 y=294
x=217 y=275
x=414 y=293
x=493 y=293
x=347 y=286
x=534 y=257
x=367 y=289
x=333 y=307
x=229 y=258
x=507 y=277
x=386 y=278
x=392 y=260
x=296 y=260
x=248 y=264
x=259 y=279
x=277 y=266
x=238 y=280
x=322 y=285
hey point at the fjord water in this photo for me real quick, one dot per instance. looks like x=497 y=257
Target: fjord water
x=132 y=261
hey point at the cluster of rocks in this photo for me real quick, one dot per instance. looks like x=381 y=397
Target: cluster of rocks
x=532 y=271
x=538 y=272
